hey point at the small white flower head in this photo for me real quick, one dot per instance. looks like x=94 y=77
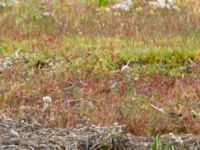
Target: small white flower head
x=116 y=124
x=176 y=8
x=117 y=14
x=46 y=14
x=107 y=9
x=123 y=4
x=171 y=2
x=138 y=9
x=2 y=4
x=163 y=3
x=47 y=101
x=7 y=63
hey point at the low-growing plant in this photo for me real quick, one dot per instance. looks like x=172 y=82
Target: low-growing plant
x=156 y=142
x=102 y=3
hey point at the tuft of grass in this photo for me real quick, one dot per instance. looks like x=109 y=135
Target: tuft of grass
x=155 y=142
x=102 y=3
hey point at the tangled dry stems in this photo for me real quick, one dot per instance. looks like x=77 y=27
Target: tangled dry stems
x=31 y=135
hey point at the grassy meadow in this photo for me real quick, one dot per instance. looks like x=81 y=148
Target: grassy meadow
x=140 y=67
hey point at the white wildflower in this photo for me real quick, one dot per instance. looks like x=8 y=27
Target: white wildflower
x=7 y=63
x=47 y=101
x=136 y=78
x=171 y=2
x=46 y=14
x=107 y=9
x=2 y=4
x=176 y=7
x=123 y=4
x=146 y=144
x=116 y=124
x=163 y=4
x=138 y=9
x=117 y=14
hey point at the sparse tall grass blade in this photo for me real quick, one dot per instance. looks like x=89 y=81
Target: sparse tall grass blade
x=102 y=3
x=156 y=142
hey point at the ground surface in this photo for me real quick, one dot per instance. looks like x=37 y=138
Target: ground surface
x=24 y=134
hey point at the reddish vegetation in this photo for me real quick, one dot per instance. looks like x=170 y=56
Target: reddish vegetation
x=102 y=104
x=85 y=95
